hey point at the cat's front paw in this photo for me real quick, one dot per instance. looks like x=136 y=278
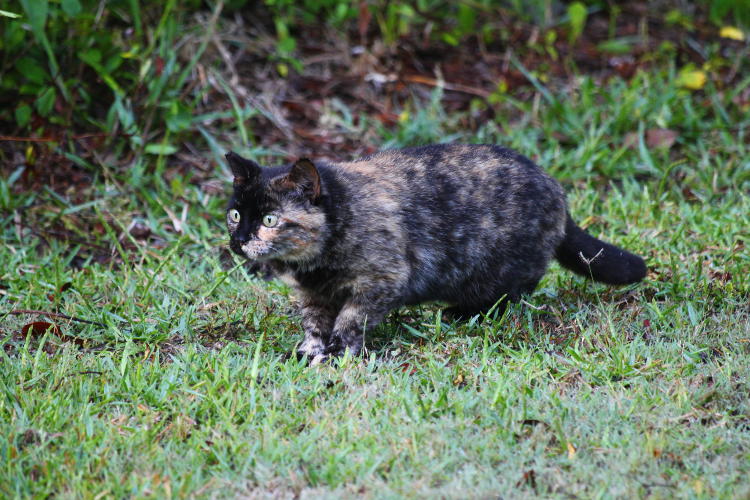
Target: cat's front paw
x=336 y=349
x=311 y=346
x=312 y=359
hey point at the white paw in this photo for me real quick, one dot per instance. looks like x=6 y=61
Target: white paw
x=311 y=346
x=318 y=359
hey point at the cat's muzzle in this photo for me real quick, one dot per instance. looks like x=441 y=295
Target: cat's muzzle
x=256 y=250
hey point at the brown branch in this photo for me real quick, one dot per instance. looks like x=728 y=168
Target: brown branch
x=27 y=139
x=77 y=137
x=455 y=87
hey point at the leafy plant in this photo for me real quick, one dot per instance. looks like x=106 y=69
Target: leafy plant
x=738 y=11
x=83 y=64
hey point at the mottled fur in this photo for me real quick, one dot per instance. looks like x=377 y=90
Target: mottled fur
x=466 y=225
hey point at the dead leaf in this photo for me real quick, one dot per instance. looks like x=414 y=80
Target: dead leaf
x=139 y=230
x=691 y=79
x=625 y=65
x=722 y=276
x=657 y=138
x=571 y=451
x=407 y=367
x=39 y=328
x=529 y=477
x=52 y=296
x=732 y=33
x=689 y=194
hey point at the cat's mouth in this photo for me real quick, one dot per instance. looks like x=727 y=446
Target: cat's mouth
x=258 y=250
x=255 y=250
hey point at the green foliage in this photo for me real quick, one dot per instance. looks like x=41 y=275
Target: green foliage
x=85 y=64
x=78 y=65
x=723 y=11
x=577 y=14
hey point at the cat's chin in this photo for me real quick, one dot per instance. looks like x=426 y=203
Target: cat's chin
x=289 y=258
x=260 y=258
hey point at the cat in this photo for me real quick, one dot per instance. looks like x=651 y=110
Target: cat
x=468 y=225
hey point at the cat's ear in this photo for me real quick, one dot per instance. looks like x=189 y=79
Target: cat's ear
x=244 y=170
x=304 y=178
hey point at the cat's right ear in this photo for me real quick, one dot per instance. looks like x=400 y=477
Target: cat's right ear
x=244 y=170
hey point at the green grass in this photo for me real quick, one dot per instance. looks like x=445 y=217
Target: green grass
x=584 y=390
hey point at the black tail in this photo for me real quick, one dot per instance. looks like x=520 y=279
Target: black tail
x=583 y=254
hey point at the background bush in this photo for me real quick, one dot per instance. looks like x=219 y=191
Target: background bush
x=75 y=66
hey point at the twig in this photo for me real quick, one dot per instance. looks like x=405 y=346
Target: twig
x=455 y=87
x=592 y=259
x=41 y=233
x=53 y=315
x=537 y=308
x=57 y=139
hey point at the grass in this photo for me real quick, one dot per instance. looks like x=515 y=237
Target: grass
x=182 y=388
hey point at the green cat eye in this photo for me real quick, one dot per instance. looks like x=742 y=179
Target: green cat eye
x=270 y=220
x=234 y=215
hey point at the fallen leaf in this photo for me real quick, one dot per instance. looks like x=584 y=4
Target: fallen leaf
x=689 y=194
x=406 y=367
x=139 y=230
x=39 y=328
x=529 y=477
x=571 y=450
x=691 y=79
x=624 y=65
x=722 y=276
x=65 y=286
x=732 y=33
x=660 y=138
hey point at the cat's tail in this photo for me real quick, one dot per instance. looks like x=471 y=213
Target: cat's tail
x=583 y=254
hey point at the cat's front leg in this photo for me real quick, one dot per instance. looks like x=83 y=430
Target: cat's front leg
x=349 y=329
x=317 y=323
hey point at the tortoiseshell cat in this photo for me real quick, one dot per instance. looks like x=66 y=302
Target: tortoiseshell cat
x=467 y=225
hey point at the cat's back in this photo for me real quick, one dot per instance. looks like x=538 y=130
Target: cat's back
x=448 y=176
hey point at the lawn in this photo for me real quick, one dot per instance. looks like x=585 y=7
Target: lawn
x=178 y=384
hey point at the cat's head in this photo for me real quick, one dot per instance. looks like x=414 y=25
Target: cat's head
x=274 y=213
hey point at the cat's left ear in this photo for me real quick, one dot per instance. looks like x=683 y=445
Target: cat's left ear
x=244 y=170
x=304 y=178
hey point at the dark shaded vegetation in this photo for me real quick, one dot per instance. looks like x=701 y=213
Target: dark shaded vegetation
x=84 y=80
